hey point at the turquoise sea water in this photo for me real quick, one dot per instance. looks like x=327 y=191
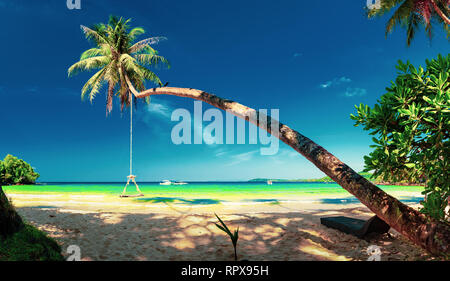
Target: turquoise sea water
x=214 y=190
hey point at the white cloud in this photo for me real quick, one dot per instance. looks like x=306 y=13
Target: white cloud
x=349 y=91
x=288 y=152
x=345 y=80
x=354 y=92
x=335 y=82
x=242 y=157
x=220 y=153
x=156 y=109
x=159 y=109
x=285 y=156
x=325 y=85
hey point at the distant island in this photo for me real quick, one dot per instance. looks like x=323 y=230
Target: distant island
x=367 y=175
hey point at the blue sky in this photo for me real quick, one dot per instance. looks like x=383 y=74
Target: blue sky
x=312 y=60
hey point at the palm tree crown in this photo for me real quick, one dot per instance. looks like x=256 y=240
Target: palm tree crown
x=121 y=62
x=413 y=13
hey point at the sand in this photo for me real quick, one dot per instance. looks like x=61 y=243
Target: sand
x=266 y=233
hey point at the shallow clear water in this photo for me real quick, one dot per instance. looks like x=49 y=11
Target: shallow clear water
x=210 y=192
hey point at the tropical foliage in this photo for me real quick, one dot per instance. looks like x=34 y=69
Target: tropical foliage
x=411 y=14
x=16 y=171
x=411 y=125
x=119 y=60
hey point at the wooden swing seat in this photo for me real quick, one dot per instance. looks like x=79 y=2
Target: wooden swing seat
x=133 y=179
x=137 y=195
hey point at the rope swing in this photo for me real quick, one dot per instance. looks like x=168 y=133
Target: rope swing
x=131 y=177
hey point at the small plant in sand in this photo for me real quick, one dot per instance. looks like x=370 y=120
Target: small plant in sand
x=234 y=237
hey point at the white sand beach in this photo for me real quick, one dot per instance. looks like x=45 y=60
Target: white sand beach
x=267 y=232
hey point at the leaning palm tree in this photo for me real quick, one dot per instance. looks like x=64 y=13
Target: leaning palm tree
x=430 y=234
x=121 y=65
x=413 y=13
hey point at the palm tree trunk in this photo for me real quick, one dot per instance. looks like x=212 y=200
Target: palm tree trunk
x=439 y=12
x=426 y=232
x=10 y=221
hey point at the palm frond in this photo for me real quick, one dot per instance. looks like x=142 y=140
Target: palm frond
x=94 y=35
x=146 y=42
x=93 y=84
x=102 y=50
x=411 y=14
x=130 y=64
x=413 y=25
x=151 y=60
x=146 y=50
x=137 y=81
x=88 y=64
x=94 y=52
x=135 y=32
x=400 y=16
x=150 y=75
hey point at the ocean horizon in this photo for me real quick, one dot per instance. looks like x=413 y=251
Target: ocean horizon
x=211 y=192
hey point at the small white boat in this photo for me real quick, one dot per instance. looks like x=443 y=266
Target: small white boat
x=168 y=182
x=179 y=183
x=269 y=182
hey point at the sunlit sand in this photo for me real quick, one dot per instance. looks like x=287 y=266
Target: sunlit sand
x=110 y=228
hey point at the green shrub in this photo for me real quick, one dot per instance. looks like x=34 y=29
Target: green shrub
x=411 y=129
x=16 y=171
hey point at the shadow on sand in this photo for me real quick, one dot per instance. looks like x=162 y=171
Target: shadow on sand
x=178 y=200
x=267 y=236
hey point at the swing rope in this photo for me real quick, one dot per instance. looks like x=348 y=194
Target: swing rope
x=131 y=135
x=131 y=176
